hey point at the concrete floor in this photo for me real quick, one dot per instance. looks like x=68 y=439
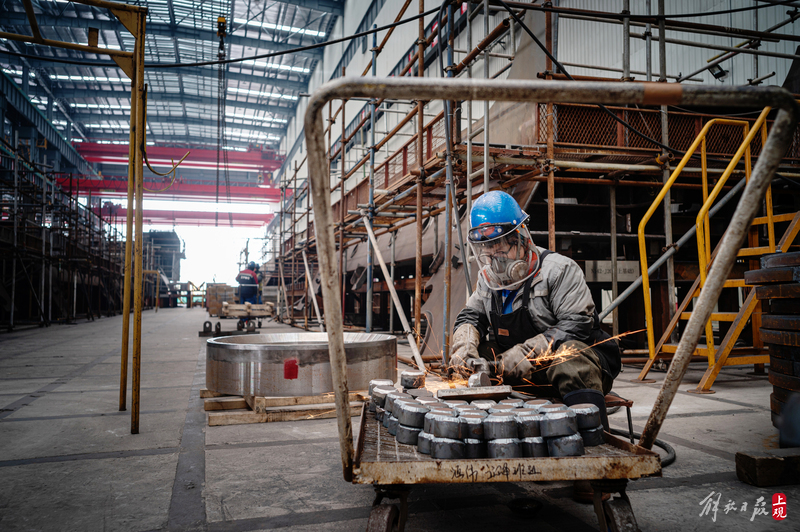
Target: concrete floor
x=69 y=462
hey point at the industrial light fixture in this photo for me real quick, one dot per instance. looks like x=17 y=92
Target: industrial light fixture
x=718 y=72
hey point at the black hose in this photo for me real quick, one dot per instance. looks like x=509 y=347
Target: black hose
x=665 y=461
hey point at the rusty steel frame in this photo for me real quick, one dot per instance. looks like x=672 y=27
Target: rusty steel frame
x=542 y=91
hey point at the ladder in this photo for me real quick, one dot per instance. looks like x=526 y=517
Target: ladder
x=727 y=354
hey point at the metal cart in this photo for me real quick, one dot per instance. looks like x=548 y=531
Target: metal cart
x=616 y=461
x=393 y=468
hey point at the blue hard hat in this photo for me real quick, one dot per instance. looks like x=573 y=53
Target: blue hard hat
x=251 y=265
x=493 y=215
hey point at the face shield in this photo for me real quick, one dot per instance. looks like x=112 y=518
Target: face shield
x=506 y=253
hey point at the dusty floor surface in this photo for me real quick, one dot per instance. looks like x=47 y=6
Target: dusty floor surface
x=69 y=462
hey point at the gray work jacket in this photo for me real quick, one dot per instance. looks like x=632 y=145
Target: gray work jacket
x=560 y=305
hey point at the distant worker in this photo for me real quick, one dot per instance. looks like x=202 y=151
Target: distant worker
x=538 y=308
x=248 y=280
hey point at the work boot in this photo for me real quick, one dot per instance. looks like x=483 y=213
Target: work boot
x=590 y=396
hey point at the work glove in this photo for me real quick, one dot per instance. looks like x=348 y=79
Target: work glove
x=515 y=363
x=537 y=346
x=465 y=346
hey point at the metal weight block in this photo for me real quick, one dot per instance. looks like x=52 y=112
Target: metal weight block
x=536 y=404
x=419 y=392
x=431 y=417
x=571 y=445
x=385 y=421
x=592 y=437
x=473 y=426
x=447 y=449
x=412 y=378
x=379 y=414
x=379 y=394
x=374 y=383
x=483 y=404
x=407 y=435
x=535 y=447
x=448 y=427
x=475 y=411
x=392 y=426
x=528 y=424
x=424 y=442
x=477 y=380
x=474 y=448
x=430 y=402
x=501 y=408
x=464 y=408
x=411 y=414
x=516 y=403
x=388 y=403
x=588 y=415
x=452 y=403
x=504 y=448
x=555 y=424
x=547 y=409
x=371 y=406
x=500 y=426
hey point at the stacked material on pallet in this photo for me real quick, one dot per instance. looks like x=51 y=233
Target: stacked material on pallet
x=216 y=295
x=780 y=324
x=456 y=429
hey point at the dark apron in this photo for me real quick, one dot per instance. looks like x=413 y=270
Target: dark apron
x=518 y=327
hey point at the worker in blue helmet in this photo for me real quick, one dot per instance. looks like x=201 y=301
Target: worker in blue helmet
x=531 y=313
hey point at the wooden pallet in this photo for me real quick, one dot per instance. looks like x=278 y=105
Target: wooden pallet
x=237 y=410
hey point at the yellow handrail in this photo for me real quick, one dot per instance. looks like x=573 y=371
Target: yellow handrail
x=704 y=243
x=674 y=176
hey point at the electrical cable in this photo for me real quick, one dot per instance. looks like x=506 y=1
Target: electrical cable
x=228 y=61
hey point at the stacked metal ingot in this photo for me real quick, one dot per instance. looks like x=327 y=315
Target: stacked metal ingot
x=780 y=323
x=457 y=429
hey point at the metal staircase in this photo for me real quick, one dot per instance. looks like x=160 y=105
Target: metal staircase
x=728 y=353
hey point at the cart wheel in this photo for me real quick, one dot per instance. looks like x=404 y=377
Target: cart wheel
x=384 y=518
x=619 y=515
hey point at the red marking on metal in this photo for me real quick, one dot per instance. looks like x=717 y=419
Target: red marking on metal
x=290 y=369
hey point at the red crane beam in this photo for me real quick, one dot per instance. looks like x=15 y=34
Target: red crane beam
x=161 y=217
x=118 y=187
